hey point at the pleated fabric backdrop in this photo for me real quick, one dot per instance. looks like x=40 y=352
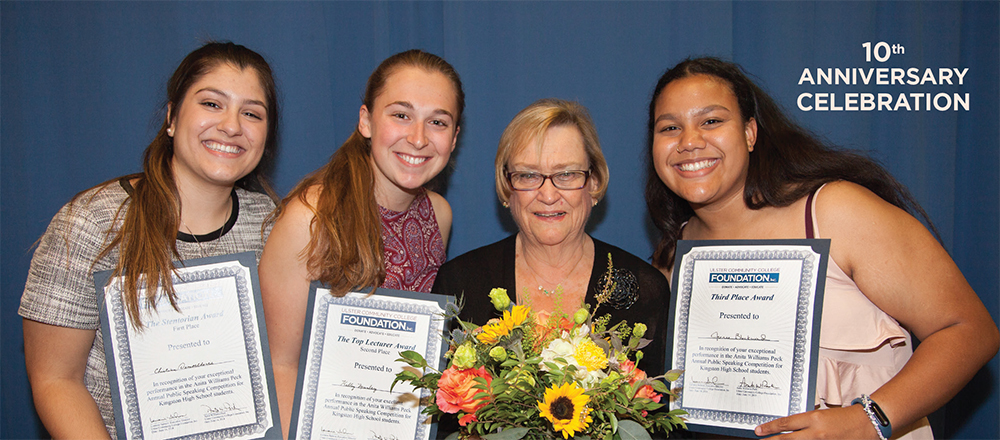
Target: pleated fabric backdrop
x=82 y=84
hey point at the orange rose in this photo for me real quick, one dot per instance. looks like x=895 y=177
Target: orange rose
x=634 y=375
x=648 y=393
x=455 y=391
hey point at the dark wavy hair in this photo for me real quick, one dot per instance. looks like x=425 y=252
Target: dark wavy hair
x=788 y=162
x=147 y=238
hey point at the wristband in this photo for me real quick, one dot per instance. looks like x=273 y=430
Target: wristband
x=875 y=414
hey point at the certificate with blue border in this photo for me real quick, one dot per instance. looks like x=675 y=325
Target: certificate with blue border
x=348 y=362
x=746 y=330
x=201 y=371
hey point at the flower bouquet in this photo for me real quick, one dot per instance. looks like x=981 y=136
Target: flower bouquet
x=538 y=376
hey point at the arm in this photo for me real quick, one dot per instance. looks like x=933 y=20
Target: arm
x=442 y=211
x=903 y=270
x=284 y=285
x=56 y=359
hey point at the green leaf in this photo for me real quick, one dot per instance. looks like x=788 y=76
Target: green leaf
x=452 y=436
x=499 y=387
x=601 y=343
x=413 y=358
x=660 y=387
x=508 y=434
x=641 y=344
x=614 y=423
x=621 y=399
x=673 y=375
x=630 y=430
x=510 y=363
x=632 y=389
x=407 y=376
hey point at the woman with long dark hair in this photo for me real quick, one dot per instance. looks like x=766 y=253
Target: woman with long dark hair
x=202 y=192
x=725 y=163
x=365 y=219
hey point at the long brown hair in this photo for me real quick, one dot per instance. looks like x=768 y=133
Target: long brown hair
x=787 y=164
x=147 y=239
x=345 y=250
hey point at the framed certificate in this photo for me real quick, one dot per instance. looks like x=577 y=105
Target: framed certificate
x=746 y=330
x=348 y=362
x=202 y=371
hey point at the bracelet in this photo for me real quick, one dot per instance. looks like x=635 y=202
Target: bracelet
x=875 y=415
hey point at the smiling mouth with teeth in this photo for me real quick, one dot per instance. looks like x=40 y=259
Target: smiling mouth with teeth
x=412 y=160
x=549 y=215
x=215 y=146
x=699 y=165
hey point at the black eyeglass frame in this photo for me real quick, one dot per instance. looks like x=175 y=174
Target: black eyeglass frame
x=510 y=180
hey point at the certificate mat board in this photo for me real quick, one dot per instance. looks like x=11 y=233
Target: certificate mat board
x=348 y=362
x=746 y=330
x=200 y=372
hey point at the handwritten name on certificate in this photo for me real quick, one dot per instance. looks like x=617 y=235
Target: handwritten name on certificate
x=746 y=330
x=349 y=362
x=196 y=372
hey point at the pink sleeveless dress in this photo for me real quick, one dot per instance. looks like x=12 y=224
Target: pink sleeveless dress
x=414 y=249
x=861 y=347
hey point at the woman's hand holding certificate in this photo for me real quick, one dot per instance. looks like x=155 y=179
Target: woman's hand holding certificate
x=196 y=369
x=746 y=321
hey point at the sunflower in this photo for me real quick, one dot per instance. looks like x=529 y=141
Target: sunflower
x=566 y=407
x=497 y=329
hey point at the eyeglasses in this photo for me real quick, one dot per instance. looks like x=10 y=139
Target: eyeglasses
x=530 y=180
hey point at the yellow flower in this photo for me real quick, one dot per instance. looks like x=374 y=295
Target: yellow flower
x=590 y=356
x=566 y=407
x=495 y=330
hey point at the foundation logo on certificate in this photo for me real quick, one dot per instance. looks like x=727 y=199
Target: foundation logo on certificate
x=349 y=350
x=746 y=330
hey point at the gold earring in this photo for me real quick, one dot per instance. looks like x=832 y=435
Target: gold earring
x=506 y=205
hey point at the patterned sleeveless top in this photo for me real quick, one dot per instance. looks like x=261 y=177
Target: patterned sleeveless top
x=414 y=249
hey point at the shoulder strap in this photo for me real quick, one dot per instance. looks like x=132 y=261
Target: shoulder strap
x=126 y=185
x=809 y=216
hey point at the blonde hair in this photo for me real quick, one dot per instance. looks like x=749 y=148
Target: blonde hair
x=530 y=125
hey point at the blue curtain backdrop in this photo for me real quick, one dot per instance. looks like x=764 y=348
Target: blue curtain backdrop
x=82 y=83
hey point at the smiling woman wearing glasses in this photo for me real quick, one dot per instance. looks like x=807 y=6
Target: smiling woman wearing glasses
x=550 y=172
